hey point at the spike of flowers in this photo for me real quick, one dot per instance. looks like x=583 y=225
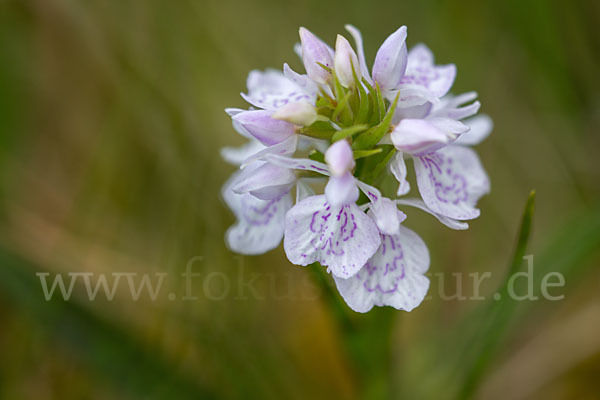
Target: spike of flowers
x=353 y=129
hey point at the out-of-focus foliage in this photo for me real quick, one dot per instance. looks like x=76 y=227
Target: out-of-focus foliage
x=111 y=117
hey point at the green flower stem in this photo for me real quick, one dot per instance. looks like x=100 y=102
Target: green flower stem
x=366 y=339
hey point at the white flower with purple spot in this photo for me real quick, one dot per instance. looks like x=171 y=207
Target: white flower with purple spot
x=334 y=136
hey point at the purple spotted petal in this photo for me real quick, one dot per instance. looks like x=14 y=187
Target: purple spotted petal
x=398 y=169
x=265 y=181
x=315 y=52
x=390 y=61
x=451 y=180
x=271 y=90
x=260 y=223
x=421 y=71
x=342 y=238
x=267 y=130
x=393 y=277
x=481 y=126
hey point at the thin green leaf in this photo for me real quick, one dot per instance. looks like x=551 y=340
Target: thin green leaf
x=362 y=115
x=381 y=101
x=347 y=132
x=366 y=153
x=318 y=130
x=493 y=329
x=342 y=105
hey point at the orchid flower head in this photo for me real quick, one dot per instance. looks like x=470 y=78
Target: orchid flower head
x=324 y=147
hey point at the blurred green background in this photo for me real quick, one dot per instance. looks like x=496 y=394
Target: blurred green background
x=111 y=120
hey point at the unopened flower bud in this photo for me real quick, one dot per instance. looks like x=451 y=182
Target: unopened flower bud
x=261 y=125
x=300 y=113
x=315 y=52
x=390 y=61
x=345 y=61
x=339 y=158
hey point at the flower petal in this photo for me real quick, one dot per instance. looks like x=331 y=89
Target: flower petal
x=451 y=180
x=339 y=158
x=356 y=35
x=237 y=155
x=341 y=190
x=345 y=62
x=383 y=210
x=315 y=52
x=393 y=277
x=303 y=190
x=449 y=222
x=421 y=71
x=287 y=147
x=307 y=85
x=342 y=238
x=481 y=126
x=267 y=130
x=304 y=164
x=452 y=106
x=413 y=112
x=418 y=136
x=390 y=61
x=267 y=181
x=398 y=169
x=260 y=223
x=299 y=113
x=239 y=128
x=271 y=89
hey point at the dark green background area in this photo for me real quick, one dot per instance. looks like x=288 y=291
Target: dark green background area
x=111 y=121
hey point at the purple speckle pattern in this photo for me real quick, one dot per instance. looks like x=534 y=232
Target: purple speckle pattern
x=394 y=276
x=421 y=71
x=451 y=180
x=331 y=240
x=261 y=212
x=271 y=90
x=342 y=238
x=420 y=75
x=391 y=268
x=450 y=185
x=260 y=223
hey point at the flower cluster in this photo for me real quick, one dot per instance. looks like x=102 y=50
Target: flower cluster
x=345 y=131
